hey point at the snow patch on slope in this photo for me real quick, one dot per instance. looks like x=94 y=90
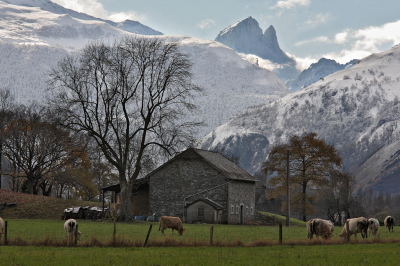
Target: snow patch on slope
x=356 y=110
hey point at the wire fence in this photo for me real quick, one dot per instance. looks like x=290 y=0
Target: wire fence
x=118 y=240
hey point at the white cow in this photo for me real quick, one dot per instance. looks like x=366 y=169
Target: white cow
x=356 y=225
x=2 y=228
x=388 y=222
x=373 y=226
x=70 y=228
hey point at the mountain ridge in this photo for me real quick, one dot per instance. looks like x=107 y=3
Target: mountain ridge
x=317 y=71
x=34 y=40
x=355 y=109
x=47 y=5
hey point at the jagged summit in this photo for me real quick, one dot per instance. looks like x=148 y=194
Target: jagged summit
x=316 y=71
x=247 y=37
x=270 y=33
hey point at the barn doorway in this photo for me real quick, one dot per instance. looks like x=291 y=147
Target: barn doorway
x=241 y=214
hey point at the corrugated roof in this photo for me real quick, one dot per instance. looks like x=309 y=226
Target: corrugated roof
x=225 y=166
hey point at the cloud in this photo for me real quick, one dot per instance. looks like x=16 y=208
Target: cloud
x=319 y=19
x=289 y=4
x=301 y=63
x=96 y=9
x=341 y=37
x=363 y=42
x=320 y=39
x=206 y=24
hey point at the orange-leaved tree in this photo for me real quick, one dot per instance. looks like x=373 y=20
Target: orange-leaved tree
x=311 y=161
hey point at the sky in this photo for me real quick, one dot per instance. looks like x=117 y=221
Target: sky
x=306 y=29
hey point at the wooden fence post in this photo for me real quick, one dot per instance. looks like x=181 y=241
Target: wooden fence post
x=148 y=234
x=347 y=231
x=76 y=236
x=211 y=234
x=280 y=233
x=115 y=230
x=5 y=233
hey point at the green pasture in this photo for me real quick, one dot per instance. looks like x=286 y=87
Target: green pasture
x=352 y=254
x=34 y=229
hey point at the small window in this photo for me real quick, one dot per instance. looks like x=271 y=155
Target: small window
x=237 y=209
x=251 y=210
x=232 y=209
x=247 y=210
x=200 y=212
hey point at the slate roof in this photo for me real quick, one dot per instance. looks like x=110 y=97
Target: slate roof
x=216 y=160
x=225 y=166
x=209 y=202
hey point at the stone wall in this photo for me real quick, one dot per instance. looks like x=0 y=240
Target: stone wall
x=241 y=202
x=182 y=177
x=209 y=213
x=141 y=202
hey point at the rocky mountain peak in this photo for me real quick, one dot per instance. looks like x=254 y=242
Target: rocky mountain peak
x=247 y=37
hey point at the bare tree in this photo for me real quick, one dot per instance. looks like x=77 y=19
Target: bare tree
x=7 y=105
x=130 y=98
x=340 y=195
x=36 y=147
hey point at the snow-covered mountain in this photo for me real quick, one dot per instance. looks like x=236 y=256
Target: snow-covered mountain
x=247 y=37
x=316 y=71
x=357 y=110
x=33 y=40
x=47 y=5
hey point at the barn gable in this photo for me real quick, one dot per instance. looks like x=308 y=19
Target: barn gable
x=197 y=174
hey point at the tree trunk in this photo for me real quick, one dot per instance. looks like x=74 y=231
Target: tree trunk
x=126 y=202
x=1 y=155
x=29 y=186
x=304 y=201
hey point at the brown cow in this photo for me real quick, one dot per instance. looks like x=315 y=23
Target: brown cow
x=320 y=227
x=171 y=222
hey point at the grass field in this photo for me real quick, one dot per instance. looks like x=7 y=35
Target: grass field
x=195 y=234
x=374 y=254
x=233 y=245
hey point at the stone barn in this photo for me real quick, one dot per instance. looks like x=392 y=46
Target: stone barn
x=200 y=186
x=204 y=211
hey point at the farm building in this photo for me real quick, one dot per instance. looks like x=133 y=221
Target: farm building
x=199 y=185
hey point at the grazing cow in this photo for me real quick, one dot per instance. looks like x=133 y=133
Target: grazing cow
x=308 y=224
x=70 y=228
x=2 y=228
x=356 y=225
x=373 y=226
x=310 y=234
x=171 y=222
x=389 y=222
x=320 y=227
